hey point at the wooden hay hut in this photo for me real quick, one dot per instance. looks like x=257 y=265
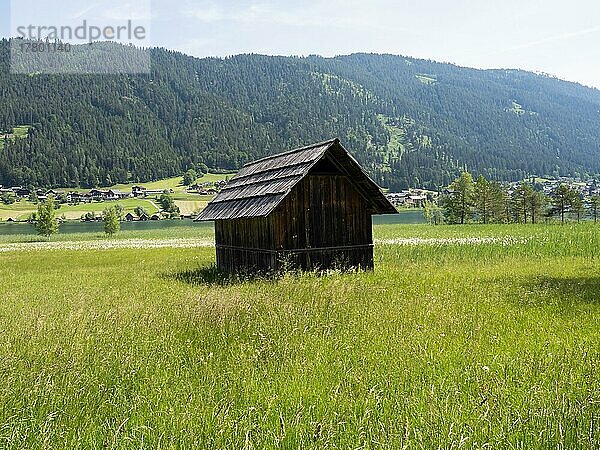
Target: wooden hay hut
x=308 y=209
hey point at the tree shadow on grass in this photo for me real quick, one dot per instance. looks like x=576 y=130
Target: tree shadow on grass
x=564 y=292
x=212 y=276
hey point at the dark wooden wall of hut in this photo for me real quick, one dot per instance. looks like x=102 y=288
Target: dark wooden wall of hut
x=244 y=245
x=323 y=223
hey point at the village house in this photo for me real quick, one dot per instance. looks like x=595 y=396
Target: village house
x=141 y=191
x=412 y=198
x=203 y=189
x=115 y=194
x=415 y=201
x=21 y=192
x=78 y=197
x=98 y=195
x=397 y=198
x=138 y=191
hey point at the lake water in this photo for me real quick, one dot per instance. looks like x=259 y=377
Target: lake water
x=405 y=217
x=412 y=216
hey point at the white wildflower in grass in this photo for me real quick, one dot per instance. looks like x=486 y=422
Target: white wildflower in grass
x=107 y=245
x=504 y=241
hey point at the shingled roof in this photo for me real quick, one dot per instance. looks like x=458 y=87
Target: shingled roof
x=262 y=185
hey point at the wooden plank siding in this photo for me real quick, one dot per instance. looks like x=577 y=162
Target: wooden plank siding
x=323 y=223
x=322 y=211
x=245 y=245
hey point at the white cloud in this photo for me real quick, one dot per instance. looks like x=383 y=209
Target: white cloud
x=333 y=13
x=84 y=12
x=267 y=14
x=138 y=11
x=558 y=37
x=251 y=14
x=209 y=13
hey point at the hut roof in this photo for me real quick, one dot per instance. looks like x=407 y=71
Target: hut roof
x=262 y=185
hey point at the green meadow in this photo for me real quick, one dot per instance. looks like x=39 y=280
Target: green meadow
x=175 y=184
x=23 y=209
x=188 y=203
x=463 y=337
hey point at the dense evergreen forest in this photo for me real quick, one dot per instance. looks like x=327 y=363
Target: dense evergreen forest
x=412 y=123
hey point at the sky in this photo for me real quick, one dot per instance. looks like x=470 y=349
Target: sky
x=556 y=37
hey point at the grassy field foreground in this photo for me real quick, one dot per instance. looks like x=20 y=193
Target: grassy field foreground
x=474 y=343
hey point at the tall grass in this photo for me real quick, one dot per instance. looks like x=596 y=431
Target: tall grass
x=493 y=344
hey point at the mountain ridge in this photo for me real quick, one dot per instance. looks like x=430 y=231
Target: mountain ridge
x=410 y=122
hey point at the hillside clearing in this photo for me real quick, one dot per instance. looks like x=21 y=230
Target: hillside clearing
x=19 y=132
x=426 y=79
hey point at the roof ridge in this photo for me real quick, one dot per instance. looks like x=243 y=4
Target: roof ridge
x=308 y=147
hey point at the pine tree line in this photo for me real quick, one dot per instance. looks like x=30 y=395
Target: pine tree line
x=483 y=201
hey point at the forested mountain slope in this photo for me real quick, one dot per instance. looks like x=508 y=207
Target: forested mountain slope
x=410 y=122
